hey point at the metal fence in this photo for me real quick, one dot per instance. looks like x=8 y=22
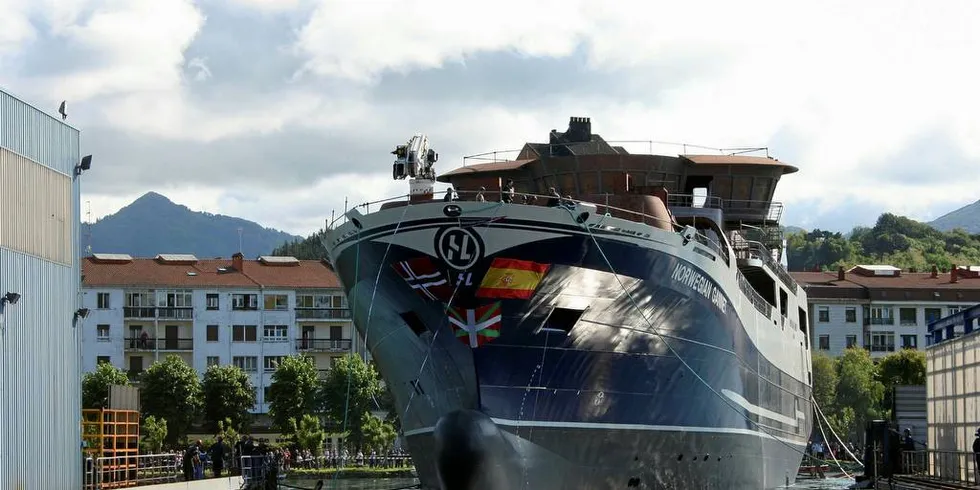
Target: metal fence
x=259 y=471
x=130 y=471
x=951 y=466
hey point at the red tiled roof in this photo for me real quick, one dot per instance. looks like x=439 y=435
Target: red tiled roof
x=908 y=280
x=304 y=274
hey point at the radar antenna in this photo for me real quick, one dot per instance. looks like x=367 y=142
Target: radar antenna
x=416 y=160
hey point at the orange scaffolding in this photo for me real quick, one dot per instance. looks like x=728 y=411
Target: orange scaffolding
x=113 y=434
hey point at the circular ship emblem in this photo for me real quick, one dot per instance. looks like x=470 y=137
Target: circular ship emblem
x=460 y=248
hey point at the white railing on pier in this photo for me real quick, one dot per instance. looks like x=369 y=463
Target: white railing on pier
x=128 y=471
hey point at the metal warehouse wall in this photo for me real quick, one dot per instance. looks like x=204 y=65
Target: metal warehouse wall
x=952 y=393
x=39 y=348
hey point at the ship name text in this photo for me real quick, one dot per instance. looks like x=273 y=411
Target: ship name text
x=701 y=284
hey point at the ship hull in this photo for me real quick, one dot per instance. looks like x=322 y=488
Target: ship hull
x=658 y=382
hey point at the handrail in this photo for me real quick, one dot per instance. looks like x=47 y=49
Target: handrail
x=757 y=300
x=527 y=198
x=749 y=249
x=649 y=143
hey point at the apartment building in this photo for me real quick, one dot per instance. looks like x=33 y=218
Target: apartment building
x=249 y=313
x=882 y=308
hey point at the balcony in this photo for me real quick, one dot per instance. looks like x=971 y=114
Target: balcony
x=879 y=321
x=149 y=312
x=133 y=375
x=322 y=314
x=323 y=345
x=168 y=344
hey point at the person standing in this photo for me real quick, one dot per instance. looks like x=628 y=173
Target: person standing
x=218 y=453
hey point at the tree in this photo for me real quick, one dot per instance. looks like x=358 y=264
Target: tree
x=293 y=392
x=154 y=433
x=350 y=390
x=906 y=367
x=379 y=435
x=824 y=382
x=171 y=390
x=227 y=431
x=308 y=434
x=228 y=395
x=95 y=385
x=858 y=388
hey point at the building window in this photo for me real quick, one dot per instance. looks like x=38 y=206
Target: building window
x=275 y=333
x=183 y=298
x=823 y=342
x=212 y=301
x=103 y=301
x=910 y=341
x=212 y=333
x=823 y=314
x=271 y=363
x=141 y=299
x=881 y=315
x=276 y=302
x=852 y=341
x=933 y=314
x=102 y=360
x=906 y=316
x=244 y=301
x=339 y=301
x=214 y=361
x=850 y=314
x=882 y=341
x=265 y=394
x=103 y=332
x=243 y=333
x=317 y=301
x=247 y=363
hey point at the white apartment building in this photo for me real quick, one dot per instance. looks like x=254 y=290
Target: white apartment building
x=882 y=308
x=249 y=313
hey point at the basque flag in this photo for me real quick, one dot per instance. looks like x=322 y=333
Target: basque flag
x=476 y=327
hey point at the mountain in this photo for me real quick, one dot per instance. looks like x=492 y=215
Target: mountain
x=153 y=225
x=967 y=217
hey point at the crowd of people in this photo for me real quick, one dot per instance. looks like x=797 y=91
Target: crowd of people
x=248 y=456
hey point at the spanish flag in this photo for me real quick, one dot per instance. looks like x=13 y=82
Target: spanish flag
x=511 y=278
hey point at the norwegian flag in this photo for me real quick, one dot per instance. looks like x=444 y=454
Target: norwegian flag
x=425 y=278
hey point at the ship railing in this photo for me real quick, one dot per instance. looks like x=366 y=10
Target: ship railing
x=633 y=147
x=733 y=209
x=757 y=300
x=525 y=198
x=748 y=249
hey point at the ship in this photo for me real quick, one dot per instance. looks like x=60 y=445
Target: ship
x=578 y=316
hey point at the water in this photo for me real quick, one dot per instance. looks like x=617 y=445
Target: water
x=827 y=484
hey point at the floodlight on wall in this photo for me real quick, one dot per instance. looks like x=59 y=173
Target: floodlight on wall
x=83 y=165
x=11 y=298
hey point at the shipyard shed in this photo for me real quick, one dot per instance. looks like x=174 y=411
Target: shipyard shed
x=953 y=385
x=39 y=299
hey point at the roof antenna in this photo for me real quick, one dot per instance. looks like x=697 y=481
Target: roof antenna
x=345 y=208
x=240 y=240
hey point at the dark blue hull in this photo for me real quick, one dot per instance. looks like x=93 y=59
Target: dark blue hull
x=657 y=383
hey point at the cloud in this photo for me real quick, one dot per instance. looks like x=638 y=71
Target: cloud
x=221 y=94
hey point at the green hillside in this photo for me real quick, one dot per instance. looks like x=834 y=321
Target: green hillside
x=893 y=240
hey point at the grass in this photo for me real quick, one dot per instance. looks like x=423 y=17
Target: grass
x=349 y=473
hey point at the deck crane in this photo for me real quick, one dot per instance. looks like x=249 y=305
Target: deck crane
x=416 y=160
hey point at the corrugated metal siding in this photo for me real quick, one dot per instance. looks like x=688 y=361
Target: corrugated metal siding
x=39 y=353
x=36 y=135
x=37 y=223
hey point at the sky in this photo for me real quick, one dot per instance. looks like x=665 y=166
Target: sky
x=278 y=110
